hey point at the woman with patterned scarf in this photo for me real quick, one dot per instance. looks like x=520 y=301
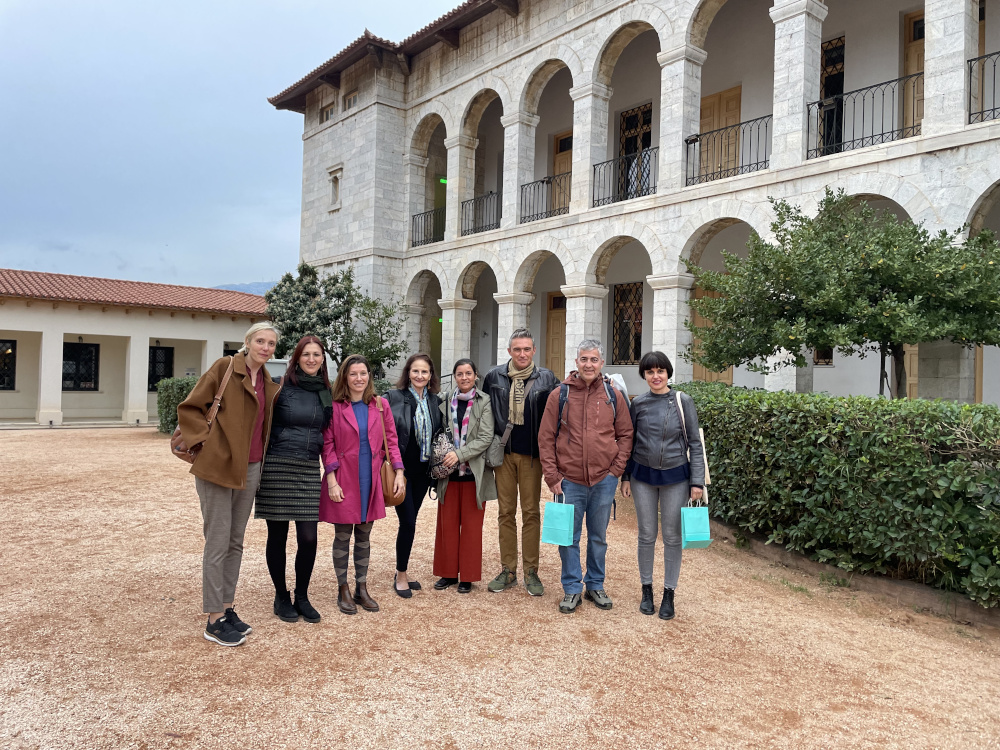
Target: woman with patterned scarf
x=416 y=409
x=458 y=544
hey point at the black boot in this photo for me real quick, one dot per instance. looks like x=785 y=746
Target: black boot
x=667 y=605
x=646 y=605
x=307 y=610
x=283 y=607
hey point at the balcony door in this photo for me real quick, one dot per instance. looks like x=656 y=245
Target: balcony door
x=635 y=137
x=913 y=62
x=562 y=163
x=555 y=334
x=700 y=373
x=721 y=154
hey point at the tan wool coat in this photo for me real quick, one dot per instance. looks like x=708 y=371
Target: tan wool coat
x=225 y=453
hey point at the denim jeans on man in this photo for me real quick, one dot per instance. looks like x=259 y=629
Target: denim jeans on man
x=594 y=503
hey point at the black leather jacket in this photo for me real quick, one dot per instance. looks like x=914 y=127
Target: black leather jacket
x=403 y=404
x=297 y=424
x=497 y=386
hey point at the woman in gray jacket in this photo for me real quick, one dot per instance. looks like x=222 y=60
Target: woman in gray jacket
x=458 y=544
x=659 y=475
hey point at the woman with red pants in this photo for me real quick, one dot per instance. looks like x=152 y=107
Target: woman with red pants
x=458 y=544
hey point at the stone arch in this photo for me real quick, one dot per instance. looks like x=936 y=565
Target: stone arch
x=478 y=104
x=701 y=19
x=475 y=263
x=428 y=116
x=527 y=269
x=421 y=279
x=628 y=23
x=983 y=206
x=542 y=73
x=880 y=185
x=612 y=239
x=700 y=228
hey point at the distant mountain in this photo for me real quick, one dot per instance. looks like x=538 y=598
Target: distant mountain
x=257 y=287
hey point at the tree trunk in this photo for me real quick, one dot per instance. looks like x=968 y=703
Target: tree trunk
x=899 y=371
x=883 y=376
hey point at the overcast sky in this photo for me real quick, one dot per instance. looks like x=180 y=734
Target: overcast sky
x=136 y=140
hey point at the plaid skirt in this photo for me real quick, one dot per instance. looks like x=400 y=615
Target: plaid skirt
x=289 y=490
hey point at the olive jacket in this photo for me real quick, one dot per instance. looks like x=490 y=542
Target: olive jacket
x=225 y=451
x=477 y=440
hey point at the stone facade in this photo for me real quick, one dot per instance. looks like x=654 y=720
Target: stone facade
x=411 y=115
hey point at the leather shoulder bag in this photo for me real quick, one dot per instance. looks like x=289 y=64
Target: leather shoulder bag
x=388 y=473
x=177 y=445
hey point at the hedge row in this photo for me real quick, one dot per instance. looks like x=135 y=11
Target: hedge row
x=908 y=488
x=170 y=392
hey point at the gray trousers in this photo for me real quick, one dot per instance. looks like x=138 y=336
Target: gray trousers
x=224 y=513
x=665 y=502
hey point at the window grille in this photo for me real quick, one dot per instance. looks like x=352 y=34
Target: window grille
x=626 y=339
x=8 y=364
x=80 y=366
x=161 y=364
x=823 y=357
x=326 y=114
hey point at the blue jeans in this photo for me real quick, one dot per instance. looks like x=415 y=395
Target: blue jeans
x=594 y=503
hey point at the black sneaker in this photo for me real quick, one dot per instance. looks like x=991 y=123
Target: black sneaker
x=222 y=632
x=238 y=625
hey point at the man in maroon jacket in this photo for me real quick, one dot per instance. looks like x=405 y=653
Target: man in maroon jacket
x=584 y=446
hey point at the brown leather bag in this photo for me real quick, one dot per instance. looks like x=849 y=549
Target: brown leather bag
x=177 y=445
x=388 y=473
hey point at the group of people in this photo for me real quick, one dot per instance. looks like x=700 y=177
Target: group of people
x=310 y=451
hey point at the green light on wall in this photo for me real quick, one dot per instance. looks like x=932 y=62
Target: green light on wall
x=440 y=320
x=443 y=180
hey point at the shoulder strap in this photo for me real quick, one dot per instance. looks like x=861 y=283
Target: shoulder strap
x=612 y=392
x=684 y=427
x=217 y=401
x=381 y=419
x=563 y=398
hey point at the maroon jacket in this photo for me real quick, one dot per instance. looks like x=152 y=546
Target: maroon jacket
x=592 y=442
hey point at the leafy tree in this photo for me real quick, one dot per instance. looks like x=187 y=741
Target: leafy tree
x=335 y=309
x=851 y=279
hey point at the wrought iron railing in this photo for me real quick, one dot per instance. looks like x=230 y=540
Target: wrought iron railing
x=427 y=227
x=876 y=114
x=726 y=152
x=481 y=214
x=629 y=176
x=983 y=104
x=546 y=197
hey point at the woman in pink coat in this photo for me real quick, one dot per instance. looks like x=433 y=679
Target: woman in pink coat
x=353 y=452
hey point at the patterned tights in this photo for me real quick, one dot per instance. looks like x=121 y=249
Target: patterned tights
x=362 y=550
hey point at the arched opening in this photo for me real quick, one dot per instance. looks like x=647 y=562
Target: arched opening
x=478 y=282
x=481 y=201
x=737 y=91
x=547 y=96
x=423 y=333
x=986 y=215
x=429 y=182
x=628 y=65
x=542 y=274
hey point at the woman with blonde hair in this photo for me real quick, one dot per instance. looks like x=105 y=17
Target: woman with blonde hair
x=227 y=468
x=353 y=452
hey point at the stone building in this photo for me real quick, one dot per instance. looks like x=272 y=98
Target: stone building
x=84 y=349
x=553 y=162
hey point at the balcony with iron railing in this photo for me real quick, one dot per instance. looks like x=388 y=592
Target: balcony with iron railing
x=730 y=151
x=427 y=227
x=481 y=214
x=627 y=177
x=885 y=112
x=546 y=197
x=983 y=104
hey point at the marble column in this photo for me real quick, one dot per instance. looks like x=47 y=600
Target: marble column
x=50 y=361
x=671 y=293
x=136 y=408
x=951 y=39
x=584 y=317
x=518 y=163
x=456 y=331
x=415 y=171
x=590 y=140
x=786 y=376
x=680 y=111
x=461 y=181
x=513 y=310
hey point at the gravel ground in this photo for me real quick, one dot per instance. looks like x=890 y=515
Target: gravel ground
x=101 y=647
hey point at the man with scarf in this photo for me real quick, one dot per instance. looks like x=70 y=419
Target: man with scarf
x=518 y=391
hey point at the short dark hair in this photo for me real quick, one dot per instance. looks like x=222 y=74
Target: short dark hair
x=433 y=385
x=657 y=361
x=465 y=361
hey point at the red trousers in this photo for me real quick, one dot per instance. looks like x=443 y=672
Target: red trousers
x=458 y=544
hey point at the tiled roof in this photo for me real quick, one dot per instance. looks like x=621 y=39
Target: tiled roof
x=59 y=287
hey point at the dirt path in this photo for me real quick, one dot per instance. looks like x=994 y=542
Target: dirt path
x=100 y=639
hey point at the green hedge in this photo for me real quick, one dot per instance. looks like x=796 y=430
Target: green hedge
x=170 y=392
x=907 y=488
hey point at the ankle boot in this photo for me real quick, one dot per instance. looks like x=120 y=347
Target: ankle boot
x=646 y=605
x=283 y=607
x=307 y=610
x=667 y=605
x=361 y=597
x=344 y=601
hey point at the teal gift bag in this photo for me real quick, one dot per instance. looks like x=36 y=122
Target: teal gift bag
x=695 y=531
x=557 y=524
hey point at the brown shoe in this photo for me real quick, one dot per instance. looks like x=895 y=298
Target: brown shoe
x=344 y=602
x=361 y=597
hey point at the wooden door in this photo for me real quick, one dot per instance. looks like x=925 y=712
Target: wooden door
x=721 y=152
x=700 y=373
x=562 y=164
x=913 y=62
x=911 y=361
x=555 y=334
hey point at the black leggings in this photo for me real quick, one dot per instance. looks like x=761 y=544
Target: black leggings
x=417 y=482
x=305 y=555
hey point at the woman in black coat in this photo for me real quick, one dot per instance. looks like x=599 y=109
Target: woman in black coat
x=290 y=482
x=416 y=409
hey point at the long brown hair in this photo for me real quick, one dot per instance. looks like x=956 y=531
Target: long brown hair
x=433 y=385
x=341 y=392
x=293 y=361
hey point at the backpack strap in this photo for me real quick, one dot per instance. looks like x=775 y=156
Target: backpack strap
x=563 y=398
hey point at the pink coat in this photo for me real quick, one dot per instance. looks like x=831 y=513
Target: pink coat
x=340 y=454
